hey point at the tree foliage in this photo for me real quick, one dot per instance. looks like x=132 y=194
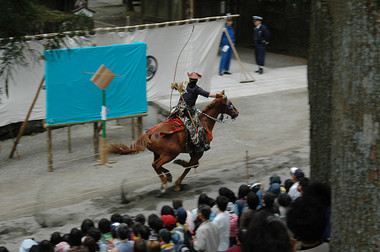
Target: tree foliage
x=19 y=18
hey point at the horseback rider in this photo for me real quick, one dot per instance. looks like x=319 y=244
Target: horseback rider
x=187 y=112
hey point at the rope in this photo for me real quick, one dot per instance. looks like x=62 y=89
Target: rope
x=215 y=119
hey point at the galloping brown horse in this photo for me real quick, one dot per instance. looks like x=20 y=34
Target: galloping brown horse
x=168 y=139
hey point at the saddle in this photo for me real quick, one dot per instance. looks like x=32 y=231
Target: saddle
x=177 y=125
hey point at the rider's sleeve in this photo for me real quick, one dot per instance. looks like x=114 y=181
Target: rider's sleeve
x=202 y=92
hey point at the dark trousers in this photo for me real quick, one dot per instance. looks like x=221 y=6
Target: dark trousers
x=225 y=60
x=260 y=54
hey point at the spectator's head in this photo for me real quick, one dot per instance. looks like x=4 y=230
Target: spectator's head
x=267 y=235
x=127 y=220
x=284 y=200
x=319 y=190
x=86 y=225
x=136 y=228
x=3 y=249
x=204 y=212
x=90 y=244
x=304 y=182
x=268 y=199
x=252 y=200
x=275 y=188
x=94 y=233
x=140 y=218
x=255 y=187
x=151 y=218
x=221 y=203
x=203 y=199
x=123 y=231
x=66 y=238
x=55 y=238
x=104 y=225
x=62 y=247
x=35 y=248
x=167 y=210
x=153 y=246
x=145 y=232
x=169 y=221
x=241 y=236
x=224 y=191
x=274 y=179
x=181 y=215
x=177 y=203
x=156 y=224
x=297 y=174
x=75 y=237
x=116 y=217
x=27 y=244
x=307 y=219
x=113 y=229
x=243 y=191
x=165 y=235
x=139 y=246
x=288 y=184
x=45 y=246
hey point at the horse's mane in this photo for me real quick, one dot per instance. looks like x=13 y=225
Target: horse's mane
x=212 y=104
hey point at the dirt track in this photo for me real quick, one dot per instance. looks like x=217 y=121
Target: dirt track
x=273 y=128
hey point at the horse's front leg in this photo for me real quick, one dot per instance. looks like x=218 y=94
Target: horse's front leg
x=193 y=163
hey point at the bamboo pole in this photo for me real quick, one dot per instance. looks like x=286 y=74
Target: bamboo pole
x=26 y=119
x=96 y=140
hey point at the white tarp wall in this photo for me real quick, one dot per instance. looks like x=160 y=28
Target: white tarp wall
x=163 y=46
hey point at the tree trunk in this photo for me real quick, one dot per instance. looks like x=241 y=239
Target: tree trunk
x=320 y=80
x=353 y=116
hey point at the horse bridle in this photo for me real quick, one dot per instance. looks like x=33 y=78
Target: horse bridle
x=229 y=106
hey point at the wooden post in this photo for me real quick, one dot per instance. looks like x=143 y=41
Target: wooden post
x=96 y=140
x=246 y=167
x=26 y=119
x=69 y=139
x=139 y=125
x=49 y=147
x=133 y=127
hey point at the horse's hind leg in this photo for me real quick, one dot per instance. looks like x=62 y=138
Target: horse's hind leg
x=160 y=160
x=193 y=163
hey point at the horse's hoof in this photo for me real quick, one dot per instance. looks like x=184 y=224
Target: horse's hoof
x=163 y=188
x=177 y=188
x=178 y=161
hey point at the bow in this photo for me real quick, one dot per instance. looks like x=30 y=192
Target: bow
x=176 y=64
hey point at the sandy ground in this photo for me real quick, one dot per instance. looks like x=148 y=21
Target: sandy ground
x=272 y=128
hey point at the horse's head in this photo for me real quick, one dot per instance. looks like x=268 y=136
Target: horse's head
x=229 y=108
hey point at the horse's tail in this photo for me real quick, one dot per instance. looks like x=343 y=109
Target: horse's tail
x=140 y=145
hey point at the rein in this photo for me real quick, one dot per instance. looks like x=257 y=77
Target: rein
x=215 y=119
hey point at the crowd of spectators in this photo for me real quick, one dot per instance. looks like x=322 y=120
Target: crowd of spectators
x=284 y=217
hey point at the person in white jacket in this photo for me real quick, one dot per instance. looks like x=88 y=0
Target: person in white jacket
x=207 y=235
x=222 y=220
